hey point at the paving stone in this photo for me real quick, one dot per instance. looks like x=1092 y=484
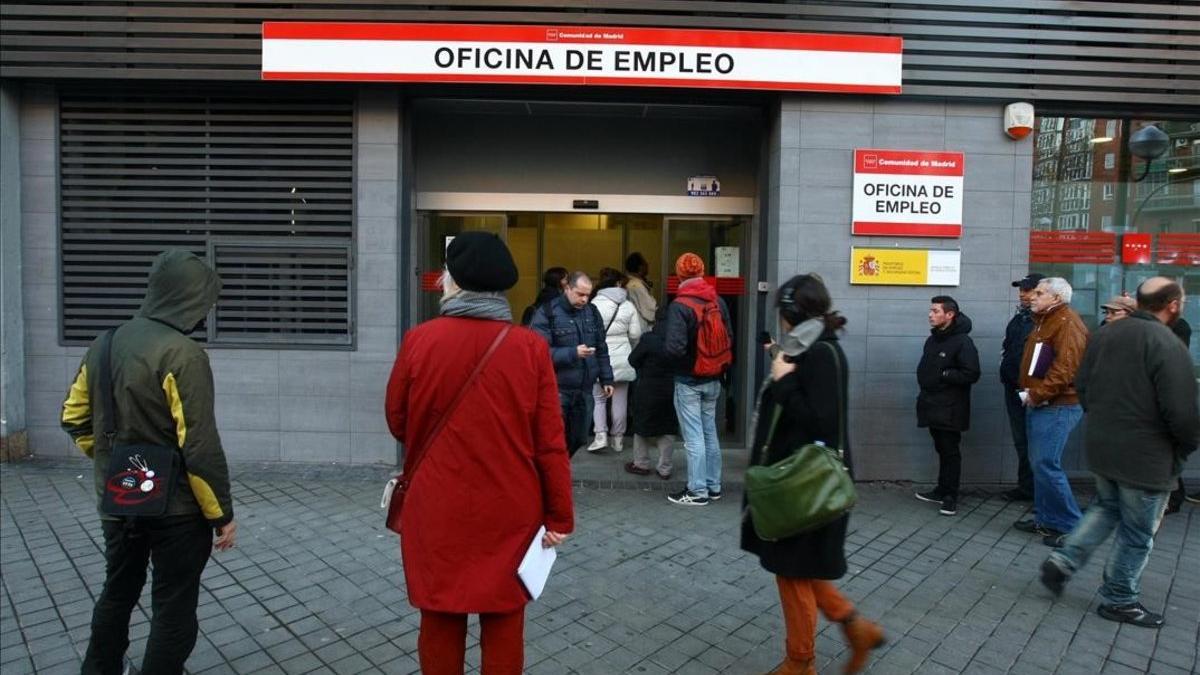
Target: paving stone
x=316 y=587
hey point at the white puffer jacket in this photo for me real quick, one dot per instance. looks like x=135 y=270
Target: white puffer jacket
x=624 y=330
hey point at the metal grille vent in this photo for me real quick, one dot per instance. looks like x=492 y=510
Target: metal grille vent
x=142 y=173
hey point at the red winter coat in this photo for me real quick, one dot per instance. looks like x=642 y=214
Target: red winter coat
x=497 y=472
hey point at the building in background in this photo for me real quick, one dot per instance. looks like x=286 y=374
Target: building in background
x=326 y=206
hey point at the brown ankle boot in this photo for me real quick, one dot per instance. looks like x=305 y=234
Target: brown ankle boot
x=863 y=636
x=792 y=666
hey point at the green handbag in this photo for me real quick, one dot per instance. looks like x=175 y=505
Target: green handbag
x=809 y=489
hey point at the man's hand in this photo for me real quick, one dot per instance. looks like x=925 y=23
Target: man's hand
x=552 y=539
x=226 y=534
x=608 y=390
x=584 y=351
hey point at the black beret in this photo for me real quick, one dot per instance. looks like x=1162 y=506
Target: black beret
x=479 y=261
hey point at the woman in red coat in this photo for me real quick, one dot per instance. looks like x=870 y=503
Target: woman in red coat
x=496 y=472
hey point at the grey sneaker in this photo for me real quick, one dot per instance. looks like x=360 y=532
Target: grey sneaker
x=1132 y=613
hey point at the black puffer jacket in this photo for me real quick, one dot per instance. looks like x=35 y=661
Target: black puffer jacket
x=1015 y=335
x=654 y=389
x=948 y=368
x=811 y=412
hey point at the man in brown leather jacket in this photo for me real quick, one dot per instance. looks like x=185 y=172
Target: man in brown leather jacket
x=1052 y=355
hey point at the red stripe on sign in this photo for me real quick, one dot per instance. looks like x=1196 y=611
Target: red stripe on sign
x=908 y=162
x=1072 y=247
x=905 y=229
x=724 y=285
x=301 y=30
x=567 y=79
x=1178 y=249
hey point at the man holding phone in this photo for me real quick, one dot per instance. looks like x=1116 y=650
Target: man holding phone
x=576 y=334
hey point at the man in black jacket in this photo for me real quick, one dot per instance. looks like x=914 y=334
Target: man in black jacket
x=1015 y=335
x=948 y=368
x=1136 y=385
x=572 y=327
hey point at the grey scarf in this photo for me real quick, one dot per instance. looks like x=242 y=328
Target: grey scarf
x=477 y=305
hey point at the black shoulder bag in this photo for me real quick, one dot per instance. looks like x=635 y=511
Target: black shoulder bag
x=140 y=476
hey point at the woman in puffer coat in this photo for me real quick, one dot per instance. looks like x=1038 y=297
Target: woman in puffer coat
x=624 y=329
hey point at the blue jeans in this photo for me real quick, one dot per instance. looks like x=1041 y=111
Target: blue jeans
x=1136 y=515
x=696 y=406
x=1047 y=431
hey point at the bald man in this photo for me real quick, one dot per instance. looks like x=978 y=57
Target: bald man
x=1137 y=387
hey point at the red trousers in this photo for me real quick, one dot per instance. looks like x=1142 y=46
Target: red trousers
x=800 y=599
x=442 y=643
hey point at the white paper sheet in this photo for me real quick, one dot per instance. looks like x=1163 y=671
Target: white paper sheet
x=534 y=569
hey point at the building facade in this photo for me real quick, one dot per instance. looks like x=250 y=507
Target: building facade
x=326 y=205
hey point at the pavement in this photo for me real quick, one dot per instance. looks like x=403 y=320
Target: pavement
x=315 y=585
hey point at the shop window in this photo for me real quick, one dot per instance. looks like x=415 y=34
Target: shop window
x=1159 y=198
x=261 y=186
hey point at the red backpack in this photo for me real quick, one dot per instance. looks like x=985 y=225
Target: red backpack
x=714 y=351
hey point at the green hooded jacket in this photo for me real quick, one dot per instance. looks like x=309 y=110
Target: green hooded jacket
x=162 y=388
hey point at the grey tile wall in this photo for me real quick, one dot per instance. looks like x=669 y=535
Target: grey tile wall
x=272 y=405
x=887 y=325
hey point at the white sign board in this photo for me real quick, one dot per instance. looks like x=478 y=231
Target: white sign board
x=907 y=193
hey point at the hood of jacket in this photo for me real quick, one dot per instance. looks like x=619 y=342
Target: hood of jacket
x=613 y=294
x=180 y=291
x=698 y=288
x=960 y=326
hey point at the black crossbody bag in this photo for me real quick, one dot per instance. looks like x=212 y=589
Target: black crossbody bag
x=141 y=476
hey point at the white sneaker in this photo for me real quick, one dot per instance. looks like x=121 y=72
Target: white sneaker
x=600 y=443
x=617 y=442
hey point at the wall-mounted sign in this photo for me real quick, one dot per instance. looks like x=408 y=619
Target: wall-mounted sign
x=727 y=261
x=904 y=266
x=704 y=186
x=581 y=55
x=907 y=193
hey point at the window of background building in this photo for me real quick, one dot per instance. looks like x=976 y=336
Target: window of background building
x=1142 y=221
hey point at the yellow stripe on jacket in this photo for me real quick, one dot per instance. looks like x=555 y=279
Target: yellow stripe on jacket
x=77 y=411
x=200 y=488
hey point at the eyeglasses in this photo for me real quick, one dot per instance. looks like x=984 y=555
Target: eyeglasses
x=1113 y=311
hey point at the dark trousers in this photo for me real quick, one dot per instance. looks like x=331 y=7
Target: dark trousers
x=946 y=443
x=1175 y=501
x=179 y=547
x=577 y=414
x=1016 y=422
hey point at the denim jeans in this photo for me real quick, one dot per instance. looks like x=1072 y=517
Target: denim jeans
x=1136 y=515
x=1047 y=430
x=696 y=406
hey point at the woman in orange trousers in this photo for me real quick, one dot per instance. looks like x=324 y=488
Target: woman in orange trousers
x=808 y=385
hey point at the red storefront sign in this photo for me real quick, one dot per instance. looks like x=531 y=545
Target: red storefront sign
x=581 y=55
x=724 y=285
x=1178 y=249
x=907 y=193
x=1135 y=249
x=1073 y=247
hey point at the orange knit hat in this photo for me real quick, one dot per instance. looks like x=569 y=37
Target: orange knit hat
x=689 y=265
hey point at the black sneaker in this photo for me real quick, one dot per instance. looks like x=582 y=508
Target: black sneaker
x=1030 y=525
x=687 y=498
x=1132 y=613
x=1193 y=498
x=1055 y=540
x=1017 y=495
x=933 y=496
x=713 y=495
x=949 y=506
x=1053 y=577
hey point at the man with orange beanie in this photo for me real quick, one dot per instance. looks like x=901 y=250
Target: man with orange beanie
x=698 y=339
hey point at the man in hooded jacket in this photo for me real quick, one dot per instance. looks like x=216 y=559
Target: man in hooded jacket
x=163 y=394
x=948 y=368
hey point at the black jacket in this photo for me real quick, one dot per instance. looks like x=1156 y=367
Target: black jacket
x=948 y=368
x=1015 y=335
x=1137 y=386
x=654 y=389
x=811 y=412
x=565 y=328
